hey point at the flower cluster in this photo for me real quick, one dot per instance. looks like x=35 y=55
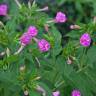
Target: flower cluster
x=31 y=33
x=27 y=36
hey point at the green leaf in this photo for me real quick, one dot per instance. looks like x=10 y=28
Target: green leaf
x=34 y=93
x=57 y=41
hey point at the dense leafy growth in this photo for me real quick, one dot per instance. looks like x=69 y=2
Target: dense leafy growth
x=66 y=66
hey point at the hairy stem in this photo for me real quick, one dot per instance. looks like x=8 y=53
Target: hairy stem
x=19 y=50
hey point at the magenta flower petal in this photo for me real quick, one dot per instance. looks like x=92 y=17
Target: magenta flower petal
x=76 y=93
x=56 y=93
x=85 y=40
x=3 y=9
x=32 y=31
x=25 y=39
x=60 y=17
x=43 y=45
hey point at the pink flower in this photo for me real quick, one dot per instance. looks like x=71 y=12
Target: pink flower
x=76 y=93
x=25 y=39
x=56 y=93
x=60 y=17
x=32 y=31
x=43 y=45
x=3 y=9
x=85 y=40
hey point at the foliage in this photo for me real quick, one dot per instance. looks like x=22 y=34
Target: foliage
x=50 y=70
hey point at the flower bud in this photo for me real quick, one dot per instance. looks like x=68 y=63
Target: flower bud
x=94 y=20
x=69 y=61
x=74 y=27
x=41 y=90
x=22 y=68
x=46 y=27
x=26 y=93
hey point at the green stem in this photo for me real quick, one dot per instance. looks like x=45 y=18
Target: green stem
x=82 y=57
x=82 y=69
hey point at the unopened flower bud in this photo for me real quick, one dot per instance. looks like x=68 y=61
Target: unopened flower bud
x=46 y=27
x=8 y=52
x=41 y=90
x=26 y=93
x=69 y=61
x=94 y=20
x=74 y=27
x=37 y=78
x=2 y=54
x=1 y=24
x=22 y=68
